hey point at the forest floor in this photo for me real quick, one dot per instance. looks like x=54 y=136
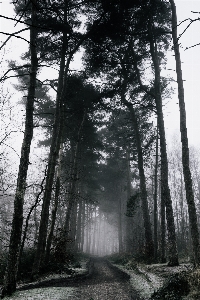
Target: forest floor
x=106 y=281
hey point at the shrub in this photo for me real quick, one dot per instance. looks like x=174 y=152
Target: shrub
x=174 y=288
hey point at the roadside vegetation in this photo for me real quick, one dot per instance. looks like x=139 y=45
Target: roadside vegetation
x=159 y=281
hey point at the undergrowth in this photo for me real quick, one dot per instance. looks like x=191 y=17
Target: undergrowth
x=56 y=265
x=174 y=288
x=194 y=282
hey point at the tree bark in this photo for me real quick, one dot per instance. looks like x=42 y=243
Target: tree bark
x=9 y=285
x=184 y=140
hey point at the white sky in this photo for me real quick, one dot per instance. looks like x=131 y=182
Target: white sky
x=190 y=66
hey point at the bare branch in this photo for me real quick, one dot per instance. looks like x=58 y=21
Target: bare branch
x=191 y=21
x=11 y=148
x=24 y=10
x=5 y=137
x=17 y=36
x=192 y=46
x=14 y=19
x=4 y=77
x=12 y=34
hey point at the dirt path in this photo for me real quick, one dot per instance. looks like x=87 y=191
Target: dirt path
x=105 y=283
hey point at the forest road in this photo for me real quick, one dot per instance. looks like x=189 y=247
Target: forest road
x=105 y=282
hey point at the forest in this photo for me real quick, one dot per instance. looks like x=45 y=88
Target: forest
x=96 y=177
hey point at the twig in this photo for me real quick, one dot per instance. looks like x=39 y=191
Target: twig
x=12 y=34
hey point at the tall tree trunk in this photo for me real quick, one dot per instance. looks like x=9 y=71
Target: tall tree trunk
x=162 y=225
x=156 y=202
x=172 y=244
x=128 y=219
x=149 y=248
x=54 y=210
x=53 y=155
x=184 y=140
x=182 y=225
x=9 y=285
